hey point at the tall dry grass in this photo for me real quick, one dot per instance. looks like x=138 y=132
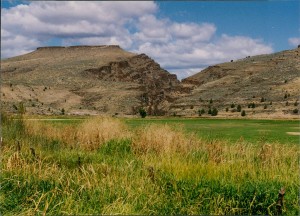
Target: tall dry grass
x=89 y=135
x=66 y=133
x=94 y=132
x=162 y=139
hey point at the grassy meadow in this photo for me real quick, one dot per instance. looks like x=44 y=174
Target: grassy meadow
x=251 y=130
x=104 y=165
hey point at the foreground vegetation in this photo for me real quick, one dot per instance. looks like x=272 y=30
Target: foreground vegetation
x=101 y=166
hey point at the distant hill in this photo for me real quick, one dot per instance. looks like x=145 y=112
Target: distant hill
x=110 y=80
x=271 y=82
x=86 y=80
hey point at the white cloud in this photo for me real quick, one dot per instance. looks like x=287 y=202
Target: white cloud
x=193 y=32
x=182 y=57
x=294 y=41
x=180 y=47
x=181 y=74
x=151 y=29
x=124 y=41
x=76 y=22
x=14 y=44
x=240 y=46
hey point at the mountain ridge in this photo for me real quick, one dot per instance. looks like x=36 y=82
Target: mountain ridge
x=108 y=79
x=263 y=80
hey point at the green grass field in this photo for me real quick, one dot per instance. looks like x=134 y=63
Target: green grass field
x=233 y=129
x=223 y=129
x=148 y=166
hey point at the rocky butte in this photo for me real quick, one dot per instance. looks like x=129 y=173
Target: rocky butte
x=86 y=80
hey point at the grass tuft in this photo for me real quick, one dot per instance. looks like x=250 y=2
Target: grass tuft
x=95 y=132
x=162 y=139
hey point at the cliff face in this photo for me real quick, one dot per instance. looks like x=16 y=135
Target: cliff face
x=156 y=83
x=101 y=78
x=139 y=69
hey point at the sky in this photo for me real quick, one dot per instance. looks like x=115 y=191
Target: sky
x=184 y=37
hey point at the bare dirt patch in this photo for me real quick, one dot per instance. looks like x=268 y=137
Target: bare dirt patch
x=293 y=133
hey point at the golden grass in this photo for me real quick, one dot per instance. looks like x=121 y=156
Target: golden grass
x=94 y=132
x=66 y=134
x=15 y=162
x=162 y=139
x=89 y=135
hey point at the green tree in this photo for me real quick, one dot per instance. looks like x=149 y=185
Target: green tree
x=239 y=108
x=243 y=113
x=214 y=112
x=142 y=112
x=252 y=105
x=232 y=105
x=62 y=111
x=209 y=111
x=200 y=112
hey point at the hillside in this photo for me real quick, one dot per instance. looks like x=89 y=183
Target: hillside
x=108 y=79
x=271 y=82
x=85 y=80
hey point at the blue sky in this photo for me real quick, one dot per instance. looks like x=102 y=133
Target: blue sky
x=184 y=37
x=273 y=21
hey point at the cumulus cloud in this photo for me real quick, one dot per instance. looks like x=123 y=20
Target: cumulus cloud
x=183 y=56
x=180 y=47
x=294 y=41
x=183 y=47
x=72 y=22
x=16 y=44
x=181 y=74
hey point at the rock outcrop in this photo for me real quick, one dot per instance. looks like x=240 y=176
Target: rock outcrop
x=101 y=78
